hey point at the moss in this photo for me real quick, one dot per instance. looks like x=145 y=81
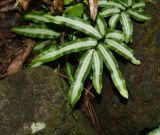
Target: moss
x=37 y=95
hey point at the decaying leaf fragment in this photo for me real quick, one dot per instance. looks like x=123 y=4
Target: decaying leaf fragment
x=93 y=5
x=58 y=5
x=6 y=5
x=18 y=61
x=24 y=3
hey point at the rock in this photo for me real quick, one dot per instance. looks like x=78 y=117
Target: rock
x=142 y=110
x=35 y=100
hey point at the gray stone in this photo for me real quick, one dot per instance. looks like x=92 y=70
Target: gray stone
x=38 y=96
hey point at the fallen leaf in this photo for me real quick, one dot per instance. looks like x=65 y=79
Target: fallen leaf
x=24 y=3
x=58 y=5
x=6 y=34
x=4 y=2
x=7 y=5
x=18 y=61
x=93 y=5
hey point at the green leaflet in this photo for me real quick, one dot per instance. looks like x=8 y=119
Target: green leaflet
x=69 y=71
x=137 y=5
x=38 y=31
x=39 y=47
x=127 y=26
x=106 y=12
x=116 y=34
x=75 y=11
x=123 y=2
x=36 y=64
x=112 y=65
x=122 y=50
x=75 y=24
x=113 y=21
x=67 y=2
x=138 y=16
x=97 y=66
x=101 y=25
x=103 y=3
x=129 y=2
x=66 y=48
x=80 y=76
x=36 y=17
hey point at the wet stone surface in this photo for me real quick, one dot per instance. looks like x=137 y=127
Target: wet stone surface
x=35 y=99
x=142 y=110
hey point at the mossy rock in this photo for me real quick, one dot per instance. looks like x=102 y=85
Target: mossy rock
x=38 y=96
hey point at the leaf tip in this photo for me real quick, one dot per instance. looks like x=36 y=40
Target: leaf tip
x=149 y=17
x=98 y=91
x=136 y=62
x=125 y=94
x=13 y=29
x=128 y=38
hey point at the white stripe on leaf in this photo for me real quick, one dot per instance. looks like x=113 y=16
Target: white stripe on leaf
x=97 y=66
x=127 y=26
x=116 y=34
x=123 y=2
x=139 y=16
x=66 y=48
x=109 y=4
x=101 y=25
x=36 y=31
x=112 y=65
x=113 y=21
x=75 y=24
x=80 y=76
x=138 y=5
x=36 y=17
x=122 y=50
x=106 y=12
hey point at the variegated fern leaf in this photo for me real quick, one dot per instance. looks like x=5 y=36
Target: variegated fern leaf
x=122 y=10
x=98 y=50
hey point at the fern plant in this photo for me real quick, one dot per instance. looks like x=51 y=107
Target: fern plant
x=98 y=45
x=98 y=50
x=122 y=10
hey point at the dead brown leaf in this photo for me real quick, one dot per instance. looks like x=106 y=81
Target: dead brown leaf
x=7 y=5
x=58 y=5
x=18 y=61
x=24 y=3
x=4 y=2
x=6 y=34
x=93 y=5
